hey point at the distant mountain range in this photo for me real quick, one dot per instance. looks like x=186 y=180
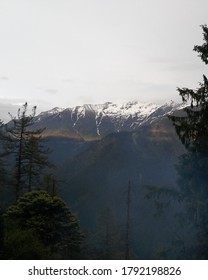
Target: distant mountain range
x=92 y=122
x=95 y=177
x=98 y=149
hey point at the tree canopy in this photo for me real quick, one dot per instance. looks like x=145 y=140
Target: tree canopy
x=191 y=192
x=27 y=146
x=192 y=129
x=56 y=229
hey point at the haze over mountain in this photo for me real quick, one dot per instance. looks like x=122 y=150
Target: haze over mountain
x=100 y=148
x=140 y=146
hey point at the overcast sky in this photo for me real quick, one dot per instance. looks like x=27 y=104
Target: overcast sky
x=70 y=52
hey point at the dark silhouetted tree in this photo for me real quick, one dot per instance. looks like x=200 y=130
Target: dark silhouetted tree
x=6 y=194
x=49 y=184
x=56 y=229
x=192 y=129
x=108 y=237
x=127 y=229
x=29 y=152
x=4 y=152
x=36 y=160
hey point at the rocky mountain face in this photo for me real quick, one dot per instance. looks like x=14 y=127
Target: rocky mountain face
x=93 y=122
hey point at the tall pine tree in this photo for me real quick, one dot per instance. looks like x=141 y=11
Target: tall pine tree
x=29 y=152
x=3 y=153
x=192 y=191
x=192 y=130
x=5 y=145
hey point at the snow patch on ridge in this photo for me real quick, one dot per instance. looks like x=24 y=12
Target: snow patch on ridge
x=77 y=113
x=114 y=117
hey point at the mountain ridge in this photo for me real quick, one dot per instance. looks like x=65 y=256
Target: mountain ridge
x=92 y=122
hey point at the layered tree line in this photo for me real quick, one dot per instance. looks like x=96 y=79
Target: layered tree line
x=34 y=222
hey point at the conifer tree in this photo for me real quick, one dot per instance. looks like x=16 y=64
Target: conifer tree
x=36 y=157
x=5 y=145
x=127 y=233
x=2 y=154
x=108 y=236
x=49 y=184
x=41 y=226
x=192 y=129
x=28 y=149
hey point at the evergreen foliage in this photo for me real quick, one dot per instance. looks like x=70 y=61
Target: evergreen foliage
x=192 y=192
x=41 y=226
x=4 y=151
x=192 y=130
x=108 y=237
x=29 y=151
x=5 y=179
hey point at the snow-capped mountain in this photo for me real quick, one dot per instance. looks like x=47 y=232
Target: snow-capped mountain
x=91 y=122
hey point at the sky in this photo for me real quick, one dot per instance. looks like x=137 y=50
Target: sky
x=71 y=52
